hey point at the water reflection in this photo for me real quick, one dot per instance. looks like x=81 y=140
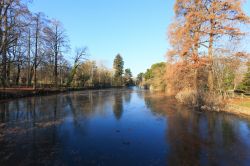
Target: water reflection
x=127 y=96
x=118 y=106
x=143 y=128
x=203 y=138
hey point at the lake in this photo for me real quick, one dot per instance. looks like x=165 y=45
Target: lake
x=118 y=127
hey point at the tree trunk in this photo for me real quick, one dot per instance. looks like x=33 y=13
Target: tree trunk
x=36 y=52
x=35 y=80
x=56 y=59
x=18 y=74
x=4 y=67
x=31 y=76
x=8 y=70
x=55 y=70
x=29 y=69
x=4 y=52
x=210 y=55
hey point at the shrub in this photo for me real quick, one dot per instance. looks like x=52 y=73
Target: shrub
x=201 y=100
x=188 y=97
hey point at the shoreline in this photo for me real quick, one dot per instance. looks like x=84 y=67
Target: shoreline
x=17 y=93
x=234 y=106
x=231 y=106
x=237 y=110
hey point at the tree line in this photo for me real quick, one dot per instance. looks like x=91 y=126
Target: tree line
x=91 y=74
x=153 y=78
x=32 y=46
x=34 y=50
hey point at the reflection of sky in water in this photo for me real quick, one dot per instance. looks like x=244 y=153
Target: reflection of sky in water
x=118 y=127
x=244 y=132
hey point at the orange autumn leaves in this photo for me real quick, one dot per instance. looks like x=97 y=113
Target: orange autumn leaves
x=199 y=32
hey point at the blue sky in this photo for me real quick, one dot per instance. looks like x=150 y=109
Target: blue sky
x=134 y=28
x=137 y=29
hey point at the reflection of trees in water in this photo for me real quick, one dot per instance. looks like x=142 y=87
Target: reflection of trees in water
x=228 y=135
x=31 y=148
x=90 y=102
x=42 y=142
x=151 y=103
x=197 y=138
x=102 y=100
x=118 y=106
x=17 y=111
x=120 y=97
x=160 y=105
x=183 y=136
x=29 y=111
x=4 y=112
x=141 y=93
x=21 y=118
x=127 y=96
x=80 y=120
x=202 y=138
x=182 y=133
x=55 y=106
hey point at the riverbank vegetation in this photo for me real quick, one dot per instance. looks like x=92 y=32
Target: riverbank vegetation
x=206 y=55
x=153 y=78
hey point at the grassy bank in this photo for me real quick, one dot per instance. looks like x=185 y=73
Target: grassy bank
x=245 y=104
x=13 y=93
x=239 y=106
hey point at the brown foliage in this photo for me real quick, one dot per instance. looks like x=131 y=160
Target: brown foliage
x=200 y=28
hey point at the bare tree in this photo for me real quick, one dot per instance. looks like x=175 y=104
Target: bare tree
x=57 y=43
x=11 y=12
x=80 y=54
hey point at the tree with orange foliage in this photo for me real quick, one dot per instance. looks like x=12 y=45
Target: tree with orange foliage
x=200 y=28
x=223 y=20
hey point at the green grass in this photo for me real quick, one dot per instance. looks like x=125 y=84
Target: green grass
x=245 y=104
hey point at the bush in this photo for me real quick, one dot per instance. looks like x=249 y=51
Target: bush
x=212 y=102
x=201 y=100
x=188 y=97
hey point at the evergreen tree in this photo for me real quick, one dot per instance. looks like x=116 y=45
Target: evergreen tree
x=128 y=77
x=118 y=68
x=139 y=79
